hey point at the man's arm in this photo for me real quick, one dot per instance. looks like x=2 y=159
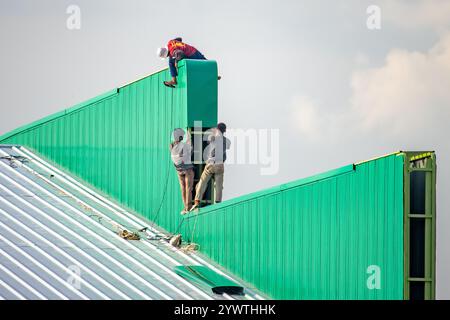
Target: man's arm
x=178 y=55
x=227 y=143
x=188 y=143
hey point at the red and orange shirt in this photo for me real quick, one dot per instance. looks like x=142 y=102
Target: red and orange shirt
x=178 y=45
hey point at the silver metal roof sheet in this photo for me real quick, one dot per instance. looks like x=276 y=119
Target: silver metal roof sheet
x=59 y=240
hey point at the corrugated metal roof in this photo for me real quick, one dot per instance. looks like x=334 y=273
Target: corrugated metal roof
x=59 y=240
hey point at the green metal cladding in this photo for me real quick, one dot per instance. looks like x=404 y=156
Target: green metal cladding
x=330 y=236
x=316 y=238
x=118 y=142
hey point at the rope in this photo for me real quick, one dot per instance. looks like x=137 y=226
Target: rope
x=179 y=225
x=127 y=235
x=193 y=229
x=192 y=247
x=12 y=159
x=156 y=215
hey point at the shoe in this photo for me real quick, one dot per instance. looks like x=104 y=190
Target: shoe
x=183 y=212
x=169 y=84
x=195 y=206
x=175 y=241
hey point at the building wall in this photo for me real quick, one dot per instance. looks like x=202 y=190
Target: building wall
x=309 y=239
x=119 y=141
x=314 y=238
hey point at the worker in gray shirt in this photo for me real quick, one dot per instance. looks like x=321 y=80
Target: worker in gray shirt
x=215 y=157
x=181 y=157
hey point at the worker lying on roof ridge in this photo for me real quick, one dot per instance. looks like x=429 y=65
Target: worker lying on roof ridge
x=217 y=154
x=181 y=157
x=177 y=50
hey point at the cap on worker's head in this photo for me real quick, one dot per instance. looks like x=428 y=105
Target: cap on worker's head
x=222 y=127
x=162 y=52
x=178 y=134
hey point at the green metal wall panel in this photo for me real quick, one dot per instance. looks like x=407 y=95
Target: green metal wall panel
x=118 y=142
x=205 y=77
x=314 y=238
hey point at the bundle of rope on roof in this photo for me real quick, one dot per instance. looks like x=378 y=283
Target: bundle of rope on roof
x=127 y=235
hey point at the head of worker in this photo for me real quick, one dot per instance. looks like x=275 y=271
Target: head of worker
x=222 y=127
x=216 y=132
x=162 y=52
x=178 y=134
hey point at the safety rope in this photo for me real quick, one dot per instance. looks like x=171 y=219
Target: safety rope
x=156 y=215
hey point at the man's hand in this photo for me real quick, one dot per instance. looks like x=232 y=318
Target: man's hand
x=178 y=55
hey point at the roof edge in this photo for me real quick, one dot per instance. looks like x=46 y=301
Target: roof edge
x=57 y=115
x=296 y=183
x=276 y=189
x=142 y=78
x=72 y=109
x=380 y=157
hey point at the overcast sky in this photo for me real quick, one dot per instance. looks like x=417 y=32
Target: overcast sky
x=337 y=91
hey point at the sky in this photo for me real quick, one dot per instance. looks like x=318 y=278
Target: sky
x=336 y=91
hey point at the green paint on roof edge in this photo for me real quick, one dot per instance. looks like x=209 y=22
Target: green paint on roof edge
x=72 y=109
x=296 y=183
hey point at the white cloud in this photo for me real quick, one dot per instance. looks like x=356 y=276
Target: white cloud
x=361 y=59
x=410 y=92
x=402 y=105
x=306 y=116
x=417 y=14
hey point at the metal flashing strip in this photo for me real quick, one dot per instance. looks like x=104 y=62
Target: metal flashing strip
x=203 y=275
x=376 y=158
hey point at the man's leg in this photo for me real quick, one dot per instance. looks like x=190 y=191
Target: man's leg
x=173 y=72
x=202 y=185
x=218 y=177
x=197 y=56
x=182 y=180
x=173 y=67
x=189 y=185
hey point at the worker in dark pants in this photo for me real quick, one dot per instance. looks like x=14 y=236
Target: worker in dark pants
x=177 y=50
x=217 y=154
